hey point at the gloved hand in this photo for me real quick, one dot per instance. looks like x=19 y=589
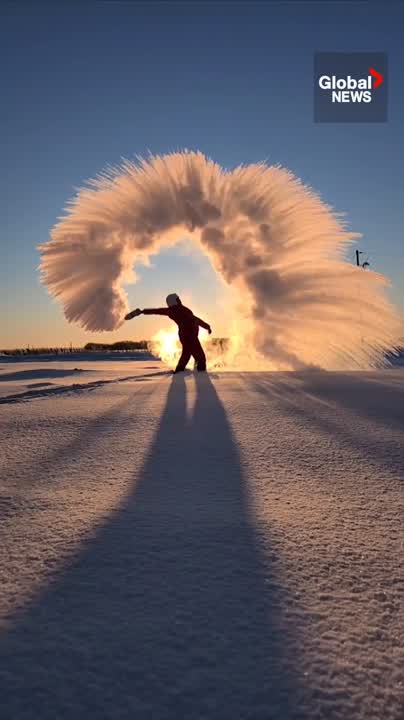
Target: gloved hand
x=210 y=330
x=133 y=314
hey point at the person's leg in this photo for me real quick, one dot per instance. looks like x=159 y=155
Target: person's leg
x=185 y=357
x=199 y=355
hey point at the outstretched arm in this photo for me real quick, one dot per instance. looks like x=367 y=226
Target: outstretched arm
x=203 y=324
x=146 y=311
x=155 y=311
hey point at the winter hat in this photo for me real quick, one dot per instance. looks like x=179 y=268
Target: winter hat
x=172 y=300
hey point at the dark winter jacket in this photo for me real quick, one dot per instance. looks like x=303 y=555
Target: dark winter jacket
x=188 y=323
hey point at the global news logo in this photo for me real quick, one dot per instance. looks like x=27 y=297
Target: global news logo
x=350 y=87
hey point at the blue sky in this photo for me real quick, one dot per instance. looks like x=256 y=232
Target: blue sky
x=84 y=84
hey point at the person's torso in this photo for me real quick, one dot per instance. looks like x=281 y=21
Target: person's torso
x=185 y=320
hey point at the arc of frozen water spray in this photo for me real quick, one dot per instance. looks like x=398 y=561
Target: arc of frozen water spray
x=265 y=233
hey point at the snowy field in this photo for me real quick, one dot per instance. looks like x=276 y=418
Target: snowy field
x=224 y=547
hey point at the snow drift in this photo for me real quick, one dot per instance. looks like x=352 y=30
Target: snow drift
x=266 y=234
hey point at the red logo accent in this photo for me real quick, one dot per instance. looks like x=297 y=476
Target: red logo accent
x=378 y=77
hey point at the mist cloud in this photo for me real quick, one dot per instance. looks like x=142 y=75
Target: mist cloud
x=266 y=234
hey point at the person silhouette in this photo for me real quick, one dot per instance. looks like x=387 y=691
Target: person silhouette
x=188 y=330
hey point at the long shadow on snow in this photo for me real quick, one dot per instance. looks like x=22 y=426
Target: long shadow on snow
x=39 y=373
x=93 y=429
x=170 y=611
x=76 y=389
x=302 y=402
x=375 y=396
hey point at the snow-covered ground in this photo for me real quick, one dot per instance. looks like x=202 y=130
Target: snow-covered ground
x=225 y=547
x=28 y=377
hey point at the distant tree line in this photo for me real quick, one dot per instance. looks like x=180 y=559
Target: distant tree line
x=143 y=345
x=41 y=351
x=121 y=345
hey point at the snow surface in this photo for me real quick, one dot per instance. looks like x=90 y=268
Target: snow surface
x=225 y=547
